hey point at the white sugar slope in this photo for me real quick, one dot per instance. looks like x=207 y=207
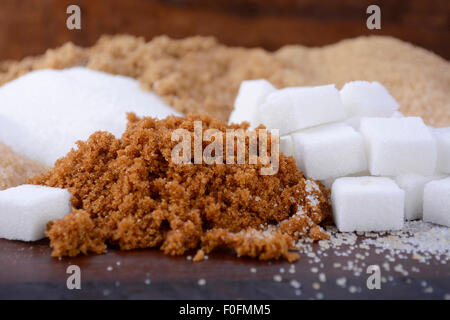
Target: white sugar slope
x=44 y=113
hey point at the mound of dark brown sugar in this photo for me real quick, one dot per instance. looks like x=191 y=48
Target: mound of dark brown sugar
x=129 y=193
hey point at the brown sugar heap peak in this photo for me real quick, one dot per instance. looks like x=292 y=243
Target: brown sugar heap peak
x=129 y=193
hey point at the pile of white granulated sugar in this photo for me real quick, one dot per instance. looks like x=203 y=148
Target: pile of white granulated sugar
x=423 y=243
x=418 y=240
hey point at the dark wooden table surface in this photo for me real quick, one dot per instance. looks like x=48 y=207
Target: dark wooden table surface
x=28 y=271
x=29 y=27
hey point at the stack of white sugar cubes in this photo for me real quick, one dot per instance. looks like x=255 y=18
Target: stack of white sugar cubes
x=42 y=115
x=381 y=167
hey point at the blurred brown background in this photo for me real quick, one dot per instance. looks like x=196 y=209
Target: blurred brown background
x=29 y=27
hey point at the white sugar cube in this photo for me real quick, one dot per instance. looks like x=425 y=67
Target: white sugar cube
x=286 y=146
x=367 y=99
x=413 y=185
x=43 y=113
x=397 y=114
x=367 y=204
x=328 y=183
x=296 y=108
x=328 y=151
x=353 y=122
x=436 y=202
x=442 y=136
x=251 y=94
x=25 y=211
x=398 y=146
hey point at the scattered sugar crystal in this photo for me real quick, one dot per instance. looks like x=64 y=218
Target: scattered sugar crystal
x=329 y=151
x=251 y=94
x=428 y=290
x=295 y=284
x=341 y=282
x=367 y=204
x=277 y=278
x=322 y=277
x=369 y=99
x=398 y=146
x=63 y=106
x=25 y=211
x=296 y=108
x=436 y=202
x=417 y=256
x=413 y=185
x=352 y=289
x=416 y=238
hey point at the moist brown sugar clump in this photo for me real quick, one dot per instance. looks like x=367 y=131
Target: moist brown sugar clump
x=129 y=193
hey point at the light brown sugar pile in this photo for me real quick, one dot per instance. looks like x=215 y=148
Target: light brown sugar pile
x=199 y=75
x=129 y=193
x=15 y=169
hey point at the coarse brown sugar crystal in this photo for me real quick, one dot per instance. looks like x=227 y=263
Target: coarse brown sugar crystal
x=129 y=193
